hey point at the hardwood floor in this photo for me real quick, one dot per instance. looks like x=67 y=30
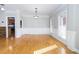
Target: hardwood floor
x=27 y=44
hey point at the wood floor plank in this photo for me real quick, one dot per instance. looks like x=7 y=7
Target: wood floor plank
x=27 y=44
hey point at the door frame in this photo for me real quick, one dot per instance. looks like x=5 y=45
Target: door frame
x=7 y=26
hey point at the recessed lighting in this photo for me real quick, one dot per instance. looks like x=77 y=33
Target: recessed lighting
x=2 y=9
x=35 y=16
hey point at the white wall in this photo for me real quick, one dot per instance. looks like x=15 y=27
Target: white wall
x=71 y=24
x=18 y=30
x=72 y=34
x=55 y=22
x=2 y=19
x=35 y=26
x=30 y=22
x=77 y=27
x=73 y=27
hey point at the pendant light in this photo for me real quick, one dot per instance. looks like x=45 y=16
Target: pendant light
x=36 y=16
x=2 y=7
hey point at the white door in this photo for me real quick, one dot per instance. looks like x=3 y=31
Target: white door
x=62 y=26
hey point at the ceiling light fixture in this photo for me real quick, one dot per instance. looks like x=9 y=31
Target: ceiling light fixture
x=2 y=7
x=36 y=16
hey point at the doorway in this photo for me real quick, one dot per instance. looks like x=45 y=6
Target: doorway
x=62 y=26
x=11 y=26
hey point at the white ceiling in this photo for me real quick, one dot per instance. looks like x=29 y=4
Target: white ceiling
x=43 y=9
